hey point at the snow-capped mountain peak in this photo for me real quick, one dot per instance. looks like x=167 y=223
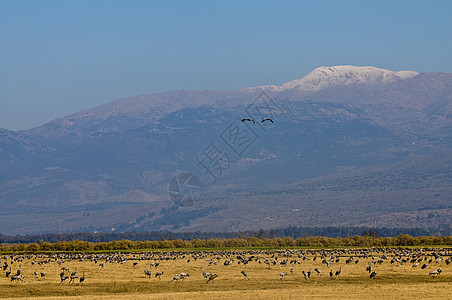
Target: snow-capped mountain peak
x=325 y=77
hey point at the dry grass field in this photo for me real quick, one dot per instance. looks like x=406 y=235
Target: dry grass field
x=120 y=279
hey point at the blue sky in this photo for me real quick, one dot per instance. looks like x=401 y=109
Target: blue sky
x=58 y=57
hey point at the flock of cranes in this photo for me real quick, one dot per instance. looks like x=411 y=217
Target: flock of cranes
x=370 y=260
x=72 y=277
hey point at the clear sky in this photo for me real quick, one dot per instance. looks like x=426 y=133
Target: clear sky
x=58 y=57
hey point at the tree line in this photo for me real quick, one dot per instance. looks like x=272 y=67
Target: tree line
x=293 y=232
x=250 y=242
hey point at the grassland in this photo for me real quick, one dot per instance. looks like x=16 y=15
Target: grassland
x=124 y=281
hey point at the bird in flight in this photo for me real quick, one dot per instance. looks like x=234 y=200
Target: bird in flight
x=249 y=120
x=266 y=120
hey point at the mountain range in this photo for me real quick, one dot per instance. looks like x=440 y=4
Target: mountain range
x=346 y=146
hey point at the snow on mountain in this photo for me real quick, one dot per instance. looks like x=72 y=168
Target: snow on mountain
x=133 y=112
x=325 y=77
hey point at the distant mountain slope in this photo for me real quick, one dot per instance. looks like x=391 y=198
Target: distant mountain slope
x=414 y=192
x=17 y=151
x=110 y=166
x=120 y=115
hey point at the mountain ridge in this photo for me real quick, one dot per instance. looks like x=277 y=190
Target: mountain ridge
x=325 y=77
x=110 y=166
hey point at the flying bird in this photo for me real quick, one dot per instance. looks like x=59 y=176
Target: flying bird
x=249 y=120
x=266 y=120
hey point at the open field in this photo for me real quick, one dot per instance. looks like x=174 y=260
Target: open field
x=396 y=278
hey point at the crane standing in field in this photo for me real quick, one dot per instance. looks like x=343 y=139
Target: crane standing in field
x=19 y=270
x=18 y=278
x=435 y=272
x=281 y=275
x=63 y=278
x=205 y=274
x=176 y=278
x=73 y=277
x=160 y=273
x=373 y=274
x=212 y=277
x=244 y=274
x=147 y=273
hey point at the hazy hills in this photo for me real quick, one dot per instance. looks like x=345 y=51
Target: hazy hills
x=348 y=146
